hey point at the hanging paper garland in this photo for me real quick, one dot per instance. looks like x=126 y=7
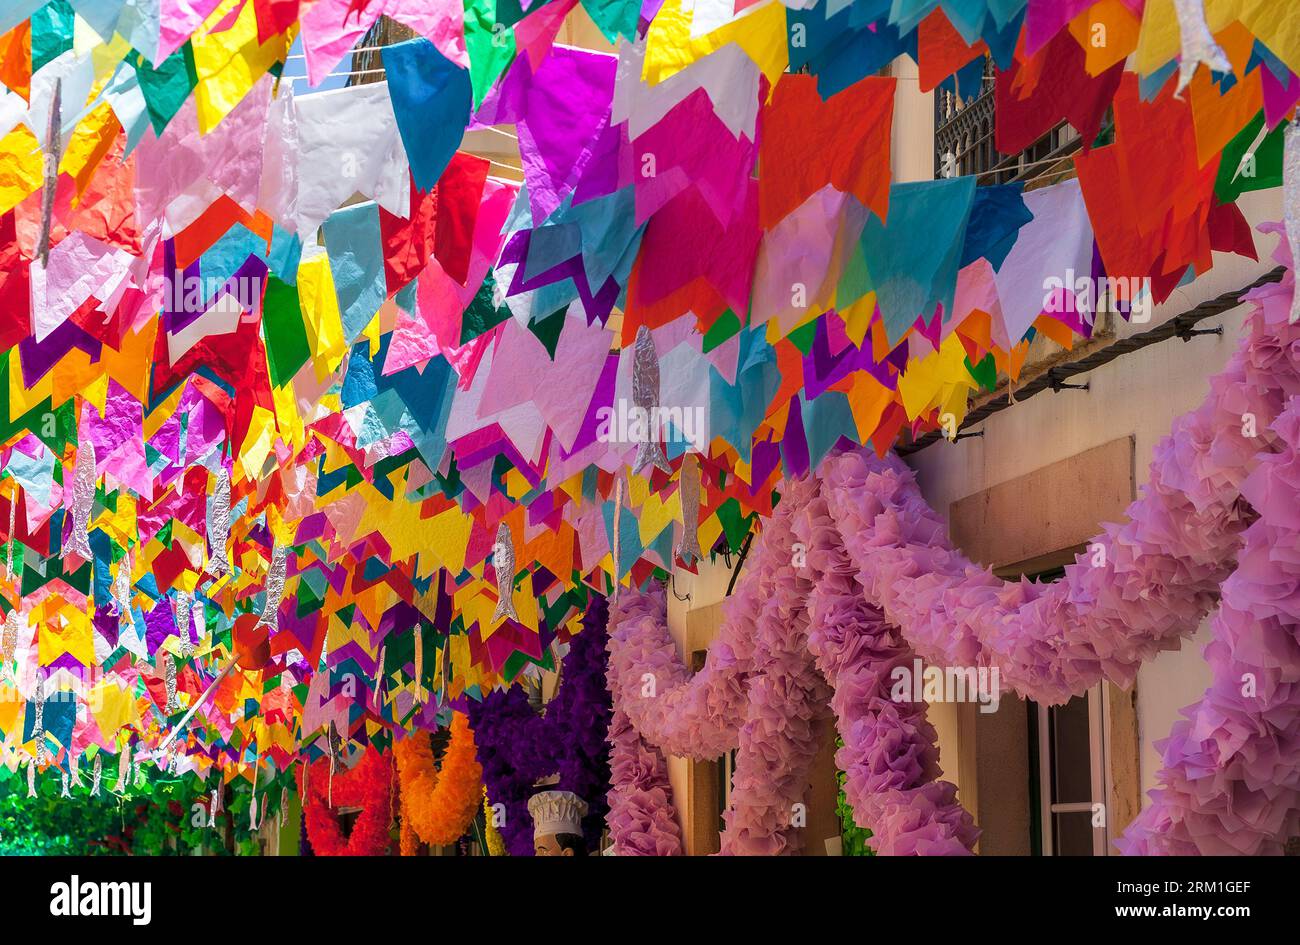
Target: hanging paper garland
x=368 y=786
x=496 y=844
x=516 y=746
x=1228 y=779
x=641 y=819
x=889 y=752
x=439 y=805
x=760 y=691
x=1228 y=782
x=774 y=735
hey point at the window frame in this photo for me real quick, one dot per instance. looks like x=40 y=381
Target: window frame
x=1098 y=723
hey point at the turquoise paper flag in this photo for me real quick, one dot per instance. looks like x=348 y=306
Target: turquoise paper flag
x=615 y=18
x=912 y=260
x=356 y=256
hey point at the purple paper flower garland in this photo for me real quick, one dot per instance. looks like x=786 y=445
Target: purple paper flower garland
x=1229 y=782
x=890 y=768
x=1231 y=777
x=516 y=746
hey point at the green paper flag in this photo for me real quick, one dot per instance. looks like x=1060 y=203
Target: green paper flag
x=287 y=348
x=547 y=330
x=166 y=88
x=482 y=315
x=51 y=33
x=490 y=44
x=1245 y=167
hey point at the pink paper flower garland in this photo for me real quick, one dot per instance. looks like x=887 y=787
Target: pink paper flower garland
x=778 y=741
x=758 y=690
x=1230 y=777
x=1230 y=781
x=640 y=819
x=890 y=767
x=890 y=755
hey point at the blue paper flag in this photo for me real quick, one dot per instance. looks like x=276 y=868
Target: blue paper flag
x=431 y=98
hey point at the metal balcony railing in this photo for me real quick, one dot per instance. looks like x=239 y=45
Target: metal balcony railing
x=965 y=141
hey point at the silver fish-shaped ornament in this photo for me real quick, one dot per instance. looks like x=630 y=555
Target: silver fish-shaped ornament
x=96 y=775
x=689 y=548
x=9 y=637
x=184 y=622
x=275 y=586
x=123 y=769
x=645 y=395
x=50 y=172
x=38 y=724
x=1291 y=205
x=1197 y=43
x=379 y=678
x=420 y=696
x=31 y=778
x=252 y=807
x=122 y=590
x=618 y=515
x=83 y=502
x=503 y=562
x=169 y=678
x=219 y=525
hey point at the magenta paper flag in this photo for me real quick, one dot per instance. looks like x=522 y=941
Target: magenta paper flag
x=559 y=111
x=691 y=147
x=177 y=19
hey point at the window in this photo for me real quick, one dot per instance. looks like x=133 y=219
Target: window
x=1068 y=742
x=1068 y=773
x=726 y=768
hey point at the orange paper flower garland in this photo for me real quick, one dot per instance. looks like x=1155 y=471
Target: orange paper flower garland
x=439 y=805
